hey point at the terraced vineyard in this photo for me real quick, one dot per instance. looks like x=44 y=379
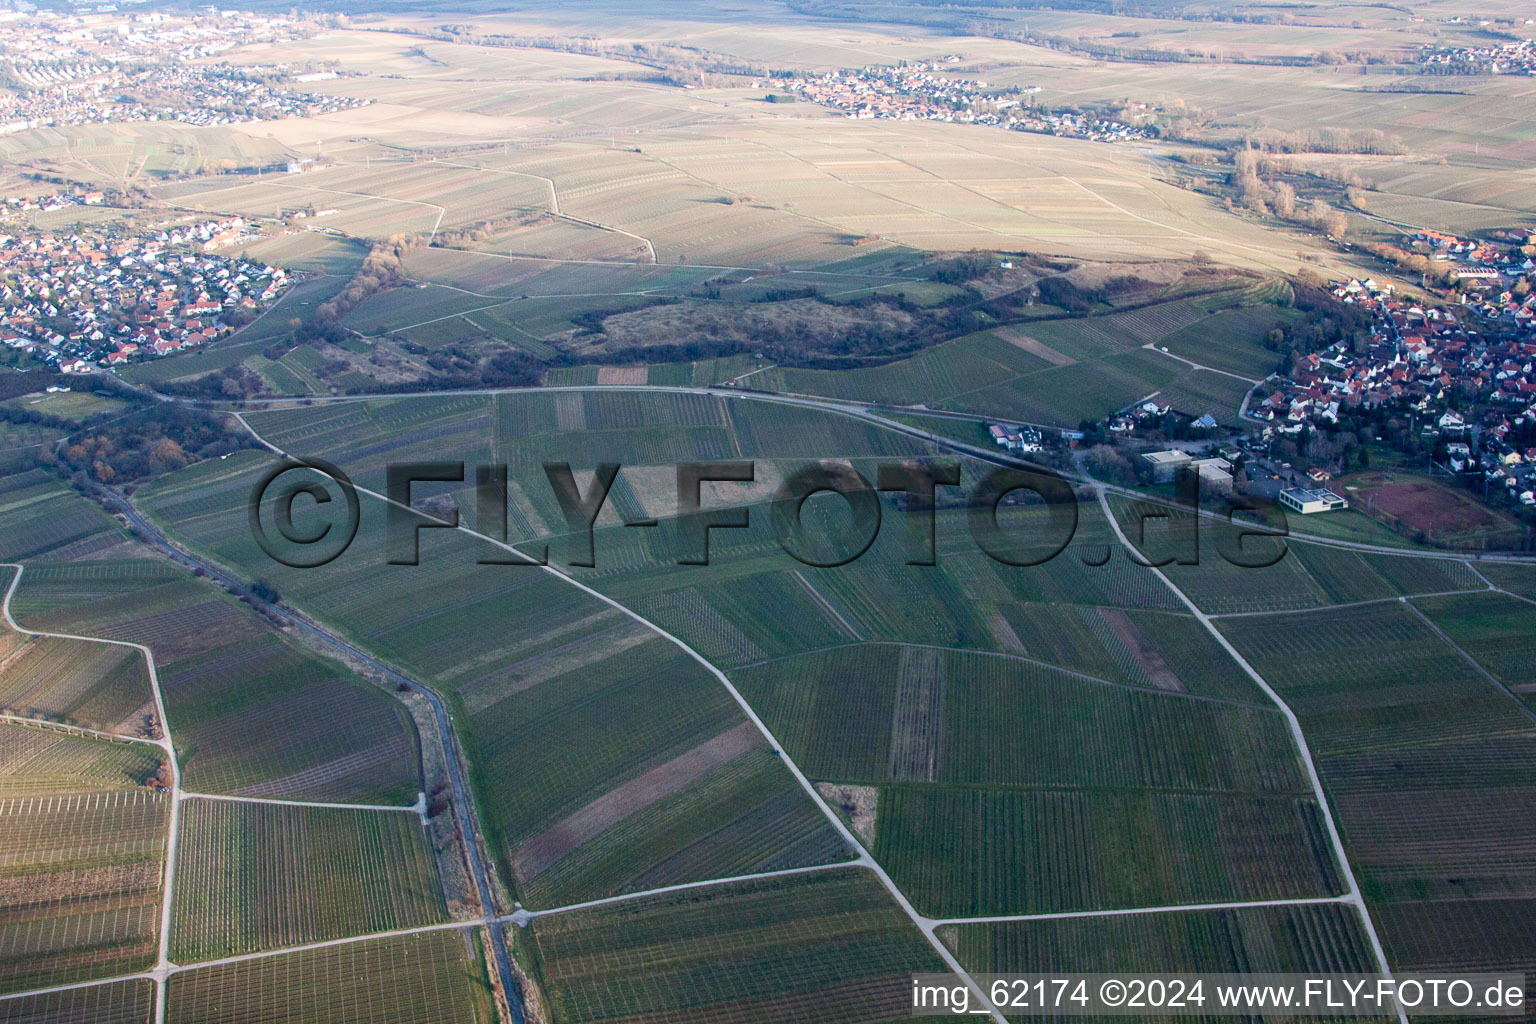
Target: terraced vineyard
x=265 y=876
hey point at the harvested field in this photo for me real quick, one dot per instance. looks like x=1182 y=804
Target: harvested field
x=1427 y=508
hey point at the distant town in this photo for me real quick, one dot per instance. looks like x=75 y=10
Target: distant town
x=913 y=92
x=77 y=302
x=1517 y=57
x=111 y=67
x=1463 y=377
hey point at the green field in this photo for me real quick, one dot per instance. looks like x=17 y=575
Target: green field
x=829 y=947
x=99 y=686
x=252 y=711
x=40 y=761
x=651 y=778
x=69 y=405
x=1307 y=576
x=413 y=979
x=1498 y=630
x=1322 y=939
x=886 y=713
x=1430 y=767
x=1059 y=372
x=264 y=876
x=45 y=519
x=960 y=852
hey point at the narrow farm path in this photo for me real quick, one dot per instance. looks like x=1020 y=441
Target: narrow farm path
x=162 y=966
x=1152 y=346
x=1347 y=604
x=1352 y=894
x=419 y=807
x=79 y=730
x=923 y=924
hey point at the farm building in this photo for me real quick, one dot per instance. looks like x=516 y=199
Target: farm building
x=1307 y=500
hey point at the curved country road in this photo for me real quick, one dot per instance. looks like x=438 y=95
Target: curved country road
x=462 y=802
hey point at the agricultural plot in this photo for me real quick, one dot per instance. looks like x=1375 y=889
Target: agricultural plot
x=120 y=1002
x=252 y=712
x=829 y=946
x=885 y=713
x=1304 y=575
x=1429 y=768
x=45 y=519
x=1497 y=630
x=69 y=405
x=1050 y=371
x=99 y=686
x=652 y=772
x=1201 y=392
x=965 y=852
x=1067 y=395
x=1320 y=939
x=755 y=602
x=38 y=761
x=1232 y=340
x=265 y=876
x=80 y=876
x=1517 y=579
x=411 y=979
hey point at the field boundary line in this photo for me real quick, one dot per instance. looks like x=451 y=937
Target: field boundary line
x=1152 y=346
x=1352 y=894
x=45 y=723
x=1348 y=604
x=1009 y=655
x=173 y=826
x=74 y=985
x=1476 y=665
x=345 y=940
x=1303 y=901
x=924 y=925
x=419 y=807
x=521 y=916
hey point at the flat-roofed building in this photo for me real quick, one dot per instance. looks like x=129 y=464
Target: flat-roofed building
x=1307 y=500
x=1166 y=465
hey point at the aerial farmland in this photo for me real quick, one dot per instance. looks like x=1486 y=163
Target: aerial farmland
x=836 y=513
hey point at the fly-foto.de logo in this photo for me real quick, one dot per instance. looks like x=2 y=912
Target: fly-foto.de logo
x=304 y=513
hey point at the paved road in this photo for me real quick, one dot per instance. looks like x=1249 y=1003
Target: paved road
x=864 y=859
x=869 y=412
x=463 y=807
